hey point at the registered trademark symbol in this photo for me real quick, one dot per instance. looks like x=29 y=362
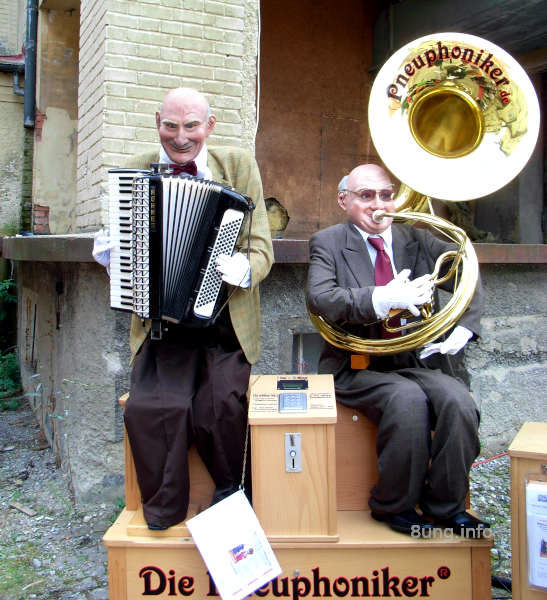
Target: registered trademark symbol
x=443 y=572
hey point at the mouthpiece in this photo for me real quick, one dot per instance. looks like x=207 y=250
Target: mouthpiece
x=378 y=216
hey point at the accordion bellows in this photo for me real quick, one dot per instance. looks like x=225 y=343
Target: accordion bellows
x=168 y=231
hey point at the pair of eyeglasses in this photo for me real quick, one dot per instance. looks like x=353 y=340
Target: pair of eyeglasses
x=369 y=195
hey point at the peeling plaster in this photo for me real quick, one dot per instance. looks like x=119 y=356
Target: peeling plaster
x=55 y=169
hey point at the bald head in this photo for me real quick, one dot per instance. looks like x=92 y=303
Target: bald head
x=365 y=187
x=185 y=96
x=369 y=176
x=184 y=121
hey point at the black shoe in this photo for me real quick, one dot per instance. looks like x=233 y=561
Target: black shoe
x=466 y=525
x=408 y=522
x=158 y=527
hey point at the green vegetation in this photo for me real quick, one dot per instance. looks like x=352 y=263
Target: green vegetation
x=119 y=505
x=17 y=569
x=9 y=229
x=9 y=374
x=9 y=367
x=8 y=298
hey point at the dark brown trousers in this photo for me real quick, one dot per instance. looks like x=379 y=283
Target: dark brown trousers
x=406 y=404
x=189 y=388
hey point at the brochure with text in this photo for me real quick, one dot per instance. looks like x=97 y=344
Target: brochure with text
x=536 y=517
x=234 y=547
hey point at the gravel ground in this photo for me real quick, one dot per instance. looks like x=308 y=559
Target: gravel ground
x=490 y=498
x=55 y=552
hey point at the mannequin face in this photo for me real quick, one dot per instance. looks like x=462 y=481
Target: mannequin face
x=183 y=125
x=369 y=189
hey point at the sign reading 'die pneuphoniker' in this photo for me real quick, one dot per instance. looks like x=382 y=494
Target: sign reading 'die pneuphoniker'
x=380 y=583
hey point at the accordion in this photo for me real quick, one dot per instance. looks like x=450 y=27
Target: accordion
x=168 y=231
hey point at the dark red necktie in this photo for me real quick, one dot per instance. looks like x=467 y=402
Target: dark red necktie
x=189 y=167
x=383 y=273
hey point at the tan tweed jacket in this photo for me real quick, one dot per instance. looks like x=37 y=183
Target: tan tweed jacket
x=237 y=168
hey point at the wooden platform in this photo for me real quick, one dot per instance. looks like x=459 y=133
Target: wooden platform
x=369 y=560
x=317 y=520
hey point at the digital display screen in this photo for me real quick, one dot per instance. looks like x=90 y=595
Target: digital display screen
x=292 y=384
x=293 y=402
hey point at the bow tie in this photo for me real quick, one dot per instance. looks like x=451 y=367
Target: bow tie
x=189 y=167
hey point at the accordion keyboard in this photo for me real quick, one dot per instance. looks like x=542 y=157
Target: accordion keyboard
x=120 y=184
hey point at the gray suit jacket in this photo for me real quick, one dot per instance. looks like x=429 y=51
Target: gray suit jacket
x=341 y=280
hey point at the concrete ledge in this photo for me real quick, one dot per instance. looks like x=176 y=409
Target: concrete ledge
x=511 y=253
x=49 y=248
x=77 y=248
x=296 y=251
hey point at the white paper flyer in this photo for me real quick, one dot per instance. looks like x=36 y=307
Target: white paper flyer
x=234 y=547
x=536 y=523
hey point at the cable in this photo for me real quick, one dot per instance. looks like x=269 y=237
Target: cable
x=485 y=460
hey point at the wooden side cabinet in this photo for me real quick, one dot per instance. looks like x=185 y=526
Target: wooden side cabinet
x=528 y=453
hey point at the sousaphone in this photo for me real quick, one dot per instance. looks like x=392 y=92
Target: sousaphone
x=454 y=117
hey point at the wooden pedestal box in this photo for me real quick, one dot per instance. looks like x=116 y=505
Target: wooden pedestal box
x=292 y=421
x=528 y=453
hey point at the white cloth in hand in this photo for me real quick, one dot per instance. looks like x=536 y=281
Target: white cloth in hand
x=452 y=345
x=402 y=293
x=235 y=269
x=101 y=248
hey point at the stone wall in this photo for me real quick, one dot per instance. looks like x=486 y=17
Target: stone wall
x=74 y=356
x=75 y=359
x=508 y=367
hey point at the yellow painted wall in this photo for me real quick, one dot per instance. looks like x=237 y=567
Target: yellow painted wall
x=11 y=155
x=12 y=34
x=12 y=26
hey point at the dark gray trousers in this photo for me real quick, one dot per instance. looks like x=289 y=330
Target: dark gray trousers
x=187 y=389
x=406 y=404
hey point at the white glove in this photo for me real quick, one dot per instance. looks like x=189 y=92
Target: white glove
x=101 y=248
x=402 y=293
x=235 y=269
x=453 y=343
